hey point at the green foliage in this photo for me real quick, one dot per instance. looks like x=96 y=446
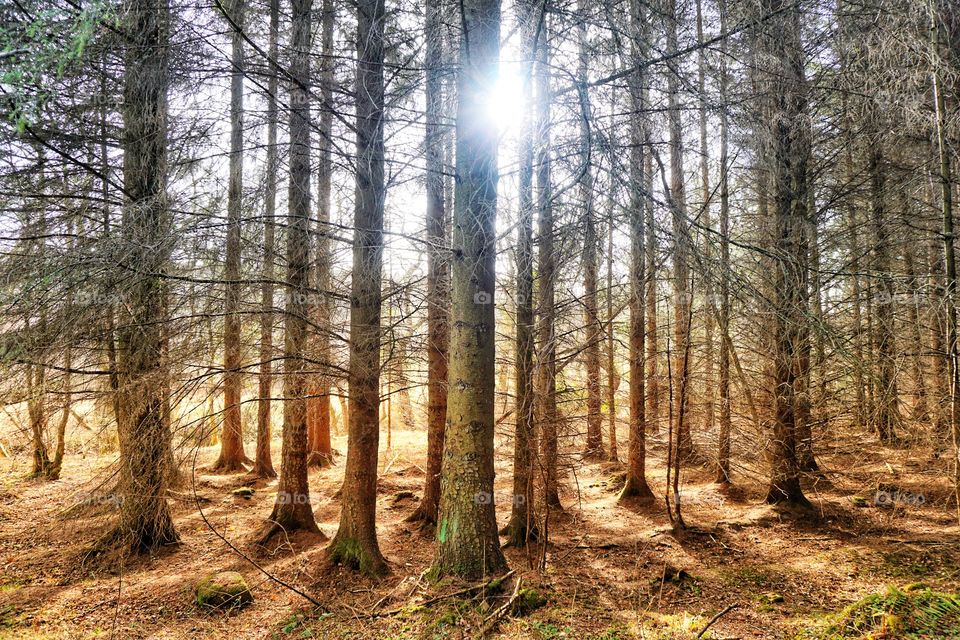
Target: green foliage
x=42 y=46
x=914 y=612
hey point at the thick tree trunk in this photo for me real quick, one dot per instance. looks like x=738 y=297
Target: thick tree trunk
x=292 y=510
x=263 y=460
x=145 y=522
x=356 y=541
x=232 y=456
x=438 y=274
x=467 y=527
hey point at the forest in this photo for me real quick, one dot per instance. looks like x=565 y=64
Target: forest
x=539 y=319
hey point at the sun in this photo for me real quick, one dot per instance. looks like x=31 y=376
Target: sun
x=505 y=103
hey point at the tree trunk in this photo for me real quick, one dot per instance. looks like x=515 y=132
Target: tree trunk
x=232 y=456
x=707 y=221
x=522 y=528
x=613 y=380
x=438 y=273
x=549 y=417
x=467 y=528
x=263 y=461
x=318 y=410
x=145 y=523
x=356 y=541
x=723 y=446
x=594 y=447
x=950 y=264
x=636 y=480
x=886 y=413
x=292 y=510
x=681 y=243
x=788 y=154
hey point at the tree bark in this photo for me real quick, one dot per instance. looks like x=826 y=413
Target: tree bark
x=636 y=480
x=788 y=154
x=232 y=456
x=522 y=528
x=591 y=319
x=681 y=242
x=723 y=446
x=438 y=273
x=467 y=528
x=548 y=415
x=292 y=510
x=356 y=541
x=145 y=523
x=263 y=460
x=318 y=406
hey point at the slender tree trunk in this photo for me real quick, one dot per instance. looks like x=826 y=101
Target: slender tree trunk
x=613 y=380
x=467 y=528
x=232 y=456
x=946 y=202
x=636 y=480
x=789 y=151
x=263 y=461
x=886 y=413
x=356 y=541
x=318 y=429
x=438 y=272
x=650 y=297
x=292 y=510
x=681 y=241
x=522 y=527
x=723 y=446
x=594 y=445
x=707 y=221
x=547 y=274
x=145 y=523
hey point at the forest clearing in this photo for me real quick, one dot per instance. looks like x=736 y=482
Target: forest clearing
x=531 y=319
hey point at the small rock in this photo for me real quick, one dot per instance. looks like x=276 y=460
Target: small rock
x=770 y=598
x=223 y=590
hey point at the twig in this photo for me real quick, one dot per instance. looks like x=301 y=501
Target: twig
x=715 y=618
x=494 y=618
x=462 y=592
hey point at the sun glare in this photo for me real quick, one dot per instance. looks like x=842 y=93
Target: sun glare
x=505 y=104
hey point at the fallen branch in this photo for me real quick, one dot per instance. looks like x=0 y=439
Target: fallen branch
x=494 y=618
x=715 y=618
x=471 y=590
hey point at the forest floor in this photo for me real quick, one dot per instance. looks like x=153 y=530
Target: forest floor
x=612 y=572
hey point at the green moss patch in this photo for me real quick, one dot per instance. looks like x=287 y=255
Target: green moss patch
x=914 y=613
x=223 y=590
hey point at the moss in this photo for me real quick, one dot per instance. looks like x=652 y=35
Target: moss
x=895 y=613
x=528 y=600
x=349 y=552
x=224 y=590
